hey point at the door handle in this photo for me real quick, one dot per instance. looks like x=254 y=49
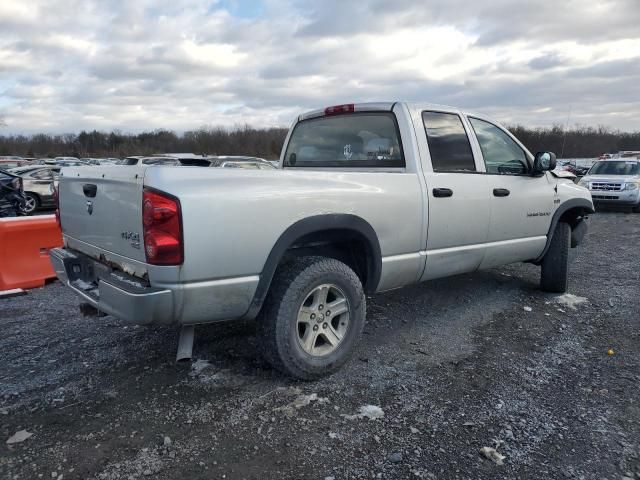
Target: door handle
x=442 y=192
x=501 y=192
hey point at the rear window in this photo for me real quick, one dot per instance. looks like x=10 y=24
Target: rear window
x=615 y=168
x=352 y=140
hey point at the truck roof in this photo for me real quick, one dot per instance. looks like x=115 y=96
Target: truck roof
x=370 y=107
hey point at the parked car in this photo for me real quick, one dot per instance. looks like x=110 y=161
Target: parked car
x=614 y=182
x=577 y=170
x=231 y=161
x=90 y=160
x=11 y=195
x=369 y=197
x=188 y=160
x=109 y=161
x=101 y=161
x=8 y=163
x=63 y=162
x=37 y=182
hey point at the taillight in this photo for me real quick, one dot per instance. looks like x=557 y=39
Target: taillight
x=162 y=225
x=337 y=109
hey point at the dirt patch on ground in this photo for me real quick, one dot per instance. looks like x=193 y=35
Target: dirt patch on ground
x=445 y=369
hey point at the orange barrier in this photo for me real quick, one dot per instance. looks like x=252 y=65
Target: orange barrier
x=24 y=250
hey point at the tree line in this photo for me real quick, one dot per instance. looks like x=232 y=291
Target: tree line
x=265 y=143
x=575 y=142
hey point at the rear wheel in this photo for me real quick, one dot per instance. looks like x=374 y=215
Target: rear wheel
x=636 y=209
x=554 y=275
x=32 y=202
x=313 y=317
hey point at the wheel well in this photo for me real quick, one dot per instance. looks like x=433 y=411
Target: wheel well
x=572 y=216
x=572 y=212
x=347 y=246
x=345 y=237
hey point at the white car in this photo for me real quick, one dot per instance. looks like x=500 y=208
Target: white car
x=614 y=182
x=367 y=198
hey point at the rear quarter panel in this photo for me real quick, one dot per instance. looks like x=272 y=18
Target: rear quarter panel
x=232 y=219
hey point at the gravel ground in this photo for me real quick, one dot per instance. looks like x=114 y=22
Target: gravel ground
x=445 y=369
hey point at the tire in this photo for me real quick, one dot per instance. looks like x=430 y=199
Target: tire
x=554 y=274
x=298 y=339
x=636 y=209
x=31 y=204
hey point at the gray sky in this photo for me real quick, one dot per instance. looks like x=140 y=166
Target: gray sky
x=145 y=64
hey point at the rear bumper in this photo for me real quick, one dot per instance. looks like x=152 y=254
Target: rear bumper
x=115 y=293
x=163 y=302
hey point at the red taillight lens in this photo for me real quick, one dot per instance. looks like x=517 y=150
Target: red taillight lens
x=162 y=223
x=337 y=109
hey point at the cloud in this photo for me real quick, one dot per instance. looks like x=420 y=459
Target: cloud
x=547 y=61
x=72 y=65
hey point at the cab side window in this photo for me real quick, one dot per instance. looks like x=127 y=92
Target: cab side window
x=449 y=146
x=501 y=154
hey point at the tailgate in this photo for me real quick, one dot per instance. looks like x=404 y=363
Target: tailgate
x=102 y=206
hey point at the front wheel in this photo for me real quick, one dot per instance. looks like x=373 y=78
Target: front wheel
x=313 y=317
x=31 y=203
x=554 y=275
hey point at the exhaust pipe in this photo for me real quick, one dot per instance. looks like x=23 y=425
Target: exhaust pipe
x=185 y=343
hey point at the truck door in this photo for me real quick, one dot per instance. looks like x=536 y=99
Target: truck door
x=458 y=199
x=521 y=204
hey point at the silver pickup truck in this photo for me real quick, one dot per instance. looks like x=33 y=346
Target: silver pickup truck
x=368 y=197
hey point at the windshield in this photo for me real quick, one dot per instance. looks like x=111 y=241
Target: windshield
x=615 y=168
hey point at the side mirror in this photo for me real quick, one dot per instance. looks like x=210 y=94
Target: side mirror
x=544 y=161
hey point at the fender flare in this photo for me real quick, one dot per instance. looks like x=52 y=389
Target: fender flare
x=575 y=203
x=306 y=226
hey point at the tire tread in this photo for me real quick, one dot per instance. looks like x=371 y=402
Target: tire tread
x=282 y=300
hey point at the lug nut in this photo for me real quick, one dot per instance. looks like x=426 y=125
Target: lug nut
x=328 y=313
x=325 y=325
x=315 y=328
x=320 y=307
x=313 y=315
